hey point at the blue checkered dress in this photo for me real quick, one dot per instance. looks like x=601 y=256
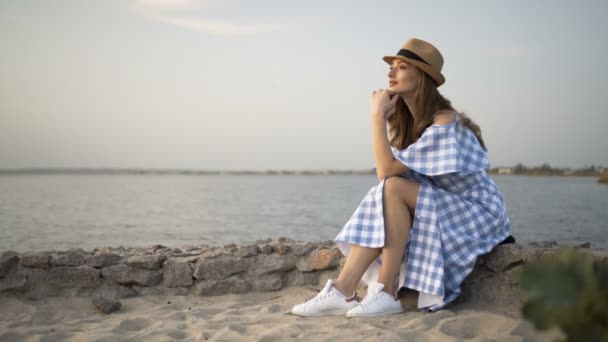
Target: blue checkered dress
x=459 y=215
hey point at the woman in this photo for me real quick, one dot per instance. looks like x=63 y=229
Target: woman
x=434 y=211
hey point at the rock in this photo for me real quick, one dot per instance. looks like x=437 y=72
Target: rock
x=326 y=244
x=114 y=290
x=13 y=281
x=102 y=260
x=128 y=275
x=247 y=251
x=281 y=248
x=483 y=289
x=300 y=249
x=68 y=259
x=287 y=240
x=192 y=259
x=297 y=278
x=177 y=273
x=157 y=247
x=74 y=277
x=103 y=250
x=107 y=249
x=37 y=285
x=481 y=259
x=106 y=305
x=504 y=257
x=189 y=248
x=585 y=245
x=265 y=248
x=36 y=260
x=229 y=285
x=182 y=254
x=267 y=282
x=231 y=248
x=272 y=263
x=220 y=268
x=178 y=291
x=149 y=262
x=547 y=243
x=319 y=259
x=72 y=251
x=7 y=260
x=532 y=255
x=212 y=253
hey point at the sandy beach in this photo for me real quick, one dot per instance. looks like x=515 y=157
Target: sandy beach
x=259 y=316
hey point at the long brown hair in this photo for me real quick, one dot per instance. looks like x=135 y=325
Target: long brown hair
x=403 y=131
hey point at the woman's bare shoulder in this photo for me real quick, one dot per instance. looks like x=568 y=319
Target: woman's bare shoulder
x=444 y=117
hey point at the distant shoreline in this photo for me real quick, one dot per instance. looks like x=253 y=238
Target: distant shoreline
x=102 y=171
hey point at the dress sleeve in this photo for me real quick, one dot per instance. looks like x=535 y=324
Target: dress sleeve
x=444 y=149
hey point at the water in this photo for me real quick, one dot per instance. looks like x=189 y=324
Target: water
x=58 y=211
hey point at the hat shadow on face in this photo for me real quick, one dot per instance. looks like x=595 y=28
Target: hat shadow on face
x=419 y=73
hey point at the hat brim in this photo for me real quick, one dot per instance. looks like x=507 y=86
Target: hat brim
x=437 y=77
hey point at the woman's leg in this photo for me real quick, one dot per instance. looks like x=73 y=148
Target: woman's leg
x=400 y=196
x=358 y=260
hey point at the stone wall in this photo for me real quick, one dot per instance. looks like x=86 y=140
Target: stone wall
x=265 y=265
x=494 y=282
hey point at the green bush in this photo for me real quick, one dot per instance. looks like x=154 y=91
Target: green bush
x=568 y=290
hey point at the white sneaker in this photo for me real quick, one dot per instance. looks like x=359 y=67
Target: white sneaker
x=328 y=302
x=377 y=302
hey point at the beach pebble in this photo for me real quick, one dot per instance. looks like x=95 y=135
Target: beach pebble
x=107 y=305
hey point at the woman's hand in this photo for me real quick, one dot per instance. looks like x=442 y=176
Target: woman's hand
x=383 y=105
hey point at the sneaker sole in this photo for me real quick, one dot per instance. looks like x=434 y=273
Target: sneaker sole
x=322 y=313
x=372 y=314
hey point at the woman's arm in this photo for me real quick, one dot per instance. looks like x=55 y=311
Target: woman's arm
x=386 y=164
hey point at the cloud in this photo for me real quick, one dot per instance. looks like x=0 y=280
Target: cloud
x=168 y=12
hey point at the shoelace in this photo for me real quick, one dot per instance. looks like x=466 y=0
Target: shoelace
x=354 y=297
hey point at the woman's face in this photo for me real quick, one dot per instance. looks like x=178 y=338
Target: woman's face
x=402 y=77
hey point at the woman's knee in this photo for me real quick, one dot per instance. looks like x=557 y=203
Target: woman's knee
x=396 y=187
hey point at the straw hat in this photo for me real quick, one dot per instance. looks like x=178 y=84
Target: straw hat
x=423 y=55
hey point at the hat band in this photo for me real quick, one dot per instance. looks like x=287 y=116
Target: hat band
x=410 y=54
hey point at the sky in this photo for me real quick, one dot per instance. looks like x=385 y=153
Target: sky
x=286 y=85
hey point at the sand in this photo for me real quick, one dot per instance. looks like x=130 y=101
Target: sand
x=256 y=316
